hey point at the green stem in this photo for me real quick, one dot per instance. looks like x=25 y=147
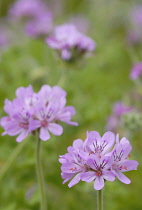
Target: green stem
x=100 y=200
x=12 y=157
x=40 y=174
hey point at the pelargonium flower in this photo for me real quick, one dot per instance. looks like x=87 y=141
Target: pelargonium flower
x=119 y=109
x=41 y=111
x=136 y=71
x=97 y=159
x=27 y=9
x=69 y=42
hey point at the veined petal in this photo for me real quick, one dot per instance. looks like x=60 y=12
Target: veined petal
x=55 y=128
x=93 y=163
x=129 y=165
x=44 y=134
x=107 y=142
x=70 y=167
x=99 y=183
x=75 y=180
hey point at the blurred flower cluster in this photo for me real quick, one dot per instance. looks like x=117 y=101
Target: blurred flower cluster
x=69 y=42
x=41 y=111
x=97 y=159
x=135 y=31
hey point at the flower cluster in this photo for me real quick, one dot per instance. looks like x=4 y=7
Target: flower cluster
x=37 y=15
x=26 y=9
x=97 y=159
x=69 y=42
x=41 y=111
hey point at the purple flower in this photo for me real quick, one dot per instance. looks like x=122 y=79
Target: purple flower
x=40 y=111
x=114 y=119
x=27 y=9
x=95 y=144
x=73 y=164
x=69 y=42
x=99 y=171
x=121 y=163
x=97 y=159
x=40 y=26
x=136 y=71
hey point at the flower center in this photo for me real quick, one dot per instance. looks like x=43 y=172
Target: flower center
x=44 y=123
x=98 y=173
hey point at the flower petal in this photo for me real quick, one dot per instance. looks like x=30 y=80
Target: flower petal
x=122 y=177
x=108 y=175
x=44 y=134
x=107 y=141
x=22 y=136
x=88 y=176
x=55 y=129
x=99 y=183
x=75 y=180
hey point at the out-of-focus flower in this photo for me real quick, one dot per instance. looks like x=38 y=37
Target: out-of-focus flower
x=97 y=159
x=40 y=26
x=3 y=40
x=27 y=9
x=136 y=71
x=114 y=120
x=135 y=32
x=40 y=111
x=69 y=42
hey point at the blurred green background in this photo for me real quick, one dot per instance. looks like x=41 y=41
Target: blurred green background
x=92 y=87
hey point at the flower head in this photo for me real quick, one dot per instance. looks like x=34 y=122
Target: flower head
x=69 y=42
x=27 y=9
x=97 y=159
x=41 y=111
